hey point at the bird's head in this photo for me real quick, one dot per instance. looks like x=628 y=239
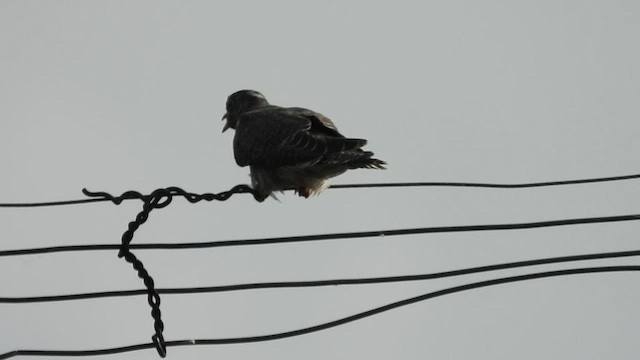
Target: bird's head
x=239 y=103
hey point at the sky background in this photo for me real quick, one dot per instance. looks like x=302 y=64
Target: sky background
x=124 y=95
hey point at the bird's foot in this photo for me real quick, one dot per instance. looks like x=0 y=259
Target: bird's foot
x=303 y=191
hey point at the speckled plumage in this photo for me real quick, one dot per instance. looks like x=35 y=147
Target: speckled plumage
x=290 y=148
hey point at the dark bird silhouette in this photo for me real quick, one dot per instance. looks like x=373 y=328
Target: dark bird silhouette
x=290 y=148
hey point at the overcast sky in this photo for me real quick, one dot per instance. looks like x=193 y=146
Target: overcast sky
x=124 y=95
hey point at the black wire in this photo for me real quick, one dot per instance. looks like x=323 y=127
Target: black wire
x=331 y=324
x=157 y=200
x=51 y=203
x=102 y=196
x=324 y=237
x=317 y=283
x=130 y=195
x=488 y=185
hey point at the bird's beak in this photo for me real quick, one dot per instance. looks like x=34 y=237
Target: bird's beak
x=226 y=125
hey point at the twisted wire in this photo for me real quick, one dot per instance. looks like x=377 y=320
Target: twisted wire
x=157 y=200
x=169 y=192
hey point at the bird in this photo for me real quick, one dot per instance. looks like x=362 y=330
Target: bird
x=290 y=147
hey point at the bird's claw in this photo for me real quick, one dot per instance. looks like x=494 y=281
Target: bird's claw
x=303 y=192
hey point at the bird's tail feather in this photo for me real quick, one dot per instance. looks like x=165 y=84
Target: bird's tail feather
x=336 y=145
x=355 y=159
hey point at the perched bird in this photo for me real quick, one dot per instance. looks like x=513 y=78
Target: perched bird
x=290 y=148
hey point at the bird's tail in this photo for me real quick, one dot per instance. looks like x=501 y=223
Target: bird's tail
x=336 y=145
x=375 y=164
x=356 y=159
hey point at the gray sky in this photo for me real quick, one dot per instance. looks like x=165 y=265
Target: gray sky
x=123 y=95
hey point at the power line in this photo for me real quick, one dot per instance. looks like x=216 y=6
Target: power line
x=489 y=185
x=51 y=203
x=161 y=198
x=331 y=324
x=318 y=283
x=325 y=237
x=101 y=196
x=222 y=196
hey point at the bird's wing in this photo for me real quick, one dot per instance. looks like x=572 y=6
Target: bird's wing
x=320 y=124
x=275 y=136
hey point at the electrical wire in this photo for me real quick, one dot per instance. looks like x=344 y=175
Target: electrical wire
x=160 y=198
x=131 y=195
x=318 y=283
x=488 y=185
x=325 y=237
x=330 y=324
